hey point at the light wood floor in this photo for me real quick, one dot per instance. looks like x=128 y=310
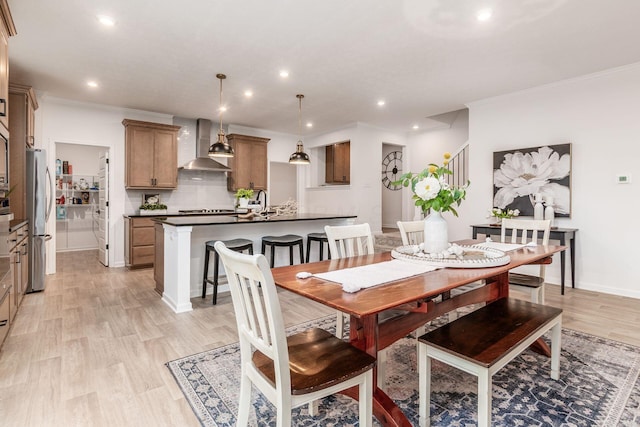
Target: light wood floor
x=90 y=350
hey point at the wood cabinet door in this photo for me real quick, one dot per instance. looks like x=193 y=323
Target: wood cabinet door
x=31 y=123
x=338 y=163
x=165 y=160
x=259 y=166
x=140 y=157
x=241 y=174
x=249 y=163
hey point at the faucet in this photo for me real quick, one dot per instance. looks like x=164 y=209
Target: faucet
x=264 y=206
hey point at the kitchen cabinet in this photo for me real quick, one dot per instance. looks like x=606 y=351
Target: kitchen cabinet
x=249 y=163
x=139 y=242
x=19 y=258
x=7 y=29
x=22 y=106
x=338 y=163
x=151 y=155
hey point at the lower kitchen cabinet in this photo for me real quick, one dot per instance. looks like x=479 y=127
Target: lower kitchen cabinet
x=139 y=242
x=19 y=256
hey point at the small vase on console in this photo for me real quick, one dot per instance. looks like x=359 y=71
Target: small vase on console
x=549 y=212
x=436 y=235
x=538 y=208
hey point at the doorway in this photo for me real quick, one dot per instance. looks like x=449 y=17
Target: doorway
x=392 y=169
x=82 y=198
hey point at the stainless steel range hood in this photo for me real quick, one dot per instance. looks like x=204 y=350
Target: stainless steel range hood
x=203 y=162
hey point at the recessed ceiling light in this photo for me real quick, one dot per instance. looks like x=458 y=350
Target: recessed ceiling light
x=248 y=93
x=222 y=108
x=381 y=103
x=92 y=83
x=416 y=127
x=484 y=15
x=105 y=20
x=284 y=73
x=309 y=124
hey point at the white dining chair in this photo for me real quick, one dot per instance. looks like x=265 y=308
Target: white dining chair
x=289 y=371
x=347 y=241
x=524 y=231
x=411 y=232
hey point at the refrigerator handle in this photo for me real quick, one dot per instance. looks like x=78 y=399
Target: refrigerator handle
x=51 y=195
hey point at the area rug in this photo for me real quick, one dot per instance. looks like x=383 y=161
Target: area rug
x=599 y=385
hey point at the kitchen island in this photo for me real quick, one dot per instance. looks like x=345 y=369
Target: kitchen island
x=180 y=245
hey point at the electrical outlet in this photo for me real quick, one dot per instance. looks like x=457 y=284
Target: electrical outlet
x=623 y=179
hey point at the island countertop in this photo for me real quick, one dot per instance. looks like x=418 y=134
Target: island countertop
x=191 y=220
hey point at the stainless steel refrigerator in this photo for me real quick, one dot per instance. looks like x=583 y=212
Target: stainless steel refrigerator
x=39 y=186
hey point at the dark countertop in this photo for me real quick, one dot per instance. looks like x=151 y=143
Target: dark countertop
x=191 y=220
x=14 y=224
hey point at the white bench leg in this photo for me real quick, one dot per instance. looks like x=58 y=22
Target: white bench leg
x=424 y=385
x=339 y=324
x=484 y=398
x=556 y=333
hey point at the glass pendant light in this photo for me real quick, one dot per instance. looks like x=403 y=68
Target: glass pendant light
x=221 y=147
x=299 y=157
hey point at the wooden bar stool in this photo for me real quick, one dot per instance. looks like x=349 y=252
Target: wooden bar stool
x=321 y=238
x=287 y=240
x=238 y=245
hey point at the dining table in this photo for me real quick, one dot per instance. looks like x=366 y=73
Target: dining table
x=414 y=301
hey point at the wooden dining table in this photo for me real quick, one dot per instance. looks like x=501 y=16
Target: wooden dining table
x=418 y=299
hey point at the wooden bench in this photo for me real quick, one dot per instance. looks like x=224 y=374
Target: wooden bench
x=484 y=341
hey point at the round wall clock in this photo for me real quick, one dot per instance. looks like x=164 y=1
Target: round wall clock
x=392 y=170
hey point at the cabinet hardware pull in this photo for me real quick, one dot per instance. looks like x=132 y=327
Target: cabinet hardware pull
x=3 y=101
x=3 y=322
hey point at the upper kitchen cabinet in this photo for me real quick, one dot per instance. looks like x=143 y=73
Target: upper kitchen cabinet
x=249 y=163
x=151 y=155
x=7 y=29
x=338 y=163
x=22 y=106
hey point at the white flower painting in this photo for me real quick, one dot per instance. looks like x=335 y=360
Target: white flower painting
x=520 y=174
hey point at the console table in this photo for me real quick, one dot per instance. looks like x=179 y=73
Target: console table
x=563 y=235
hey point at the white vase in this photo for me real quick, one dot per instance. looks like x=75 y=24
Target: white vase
x=538 y=210
x=549 y=213
x=436 y=235
x=243 y=202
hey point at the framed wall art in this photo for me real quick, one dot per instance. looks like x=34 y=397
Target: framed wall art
x=520 y=174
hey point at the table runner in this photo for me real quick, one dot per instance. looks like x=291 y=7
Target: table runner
x=366 y=276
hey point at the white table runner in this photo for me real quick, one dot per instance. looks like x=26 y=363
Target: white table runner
x=366 y=276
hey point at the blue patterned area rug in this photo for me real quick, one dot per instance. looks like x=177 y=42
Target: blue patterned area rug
x=599 y=386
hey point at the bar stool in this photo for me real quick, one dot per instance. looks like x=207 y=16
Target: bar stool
x=238 y=245
x=287 y=240
x=321 y=238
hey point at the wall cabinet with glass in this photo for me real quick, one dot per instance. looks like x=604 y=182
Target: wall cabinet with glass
x=77 y=211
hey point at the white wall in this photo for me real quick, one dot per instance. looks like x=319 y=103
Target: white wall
x=428 y=147
x=363 y=196
x=598 y=114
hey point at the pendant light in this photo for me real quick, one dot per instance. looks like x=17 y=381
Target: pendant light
x=299 y=157
x=221 y=147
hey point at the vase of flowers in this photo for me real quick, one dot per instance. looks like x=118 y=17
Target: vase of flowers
x=433 y=194
x=498 y=214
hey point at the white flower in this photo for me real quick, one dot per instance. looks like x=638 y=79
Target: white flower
x=428 y=188
x=527 y=174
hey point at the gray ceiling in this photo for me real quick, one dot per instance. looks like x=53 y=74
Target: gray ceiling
x=423 y=57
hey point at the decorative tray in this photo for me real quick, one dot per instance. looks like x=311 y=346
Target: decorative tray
x=458 y=256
